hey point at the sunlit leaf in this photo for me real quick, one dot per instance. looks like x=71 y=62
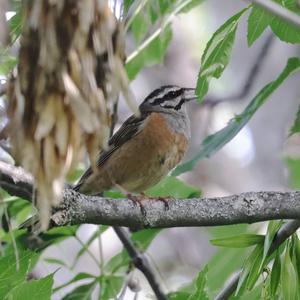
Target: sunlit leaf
x=110 y=287
x=40 y=289
x=215 y=142
x=217 y=54
x=258 y=21
x=9 y=275
x=239 y=241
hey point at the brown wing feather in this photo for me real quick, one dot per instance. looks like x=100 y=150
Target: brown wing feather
x=130 y=128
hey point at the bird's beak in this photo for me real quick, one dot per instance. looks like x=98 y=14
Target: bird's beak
x=189 y=94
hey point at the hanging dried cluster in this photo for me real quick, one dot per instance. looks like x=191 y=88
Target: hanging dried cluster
x=69 y=74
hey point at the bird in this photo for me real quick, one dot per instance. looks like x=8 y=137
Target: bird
x=146 y=147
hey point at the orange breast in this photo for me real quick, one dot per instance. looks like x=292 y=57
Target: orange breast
x=144 y=160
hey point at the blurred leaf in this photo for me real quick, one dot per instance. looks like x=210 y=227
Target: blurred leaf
x=15 y=25
x=9 y=275
x=216 y=141
x=249 y=272
x=119 y=263
x=239 y=241
x=273 y=227
x=258 y=21
x=217 y=54
x=152 y=54
x=296 y=126
x=32 y=290
x=200 y=293
x=55 y=261
x=110 y=287
x=284 y=30
x=178 y=295
x=288 y=278
x=140 y=26
x=93 y=237
x=173 y=187
x=7 y=63
x=275 y=275
x=293 y=165
x=296 y=243
x=77 y=277
x=82 y=292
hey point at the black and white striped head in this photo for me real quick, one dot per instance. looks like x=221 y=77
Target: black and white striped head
x=168 y=99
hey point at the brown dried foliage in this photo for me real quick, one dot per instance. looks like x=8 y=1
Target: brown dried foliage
x=69 y=75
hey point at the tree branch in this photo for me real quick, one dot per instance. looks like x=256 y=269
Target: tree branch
x=278 y=10
x=140 y=261
x=283 y=233
x=78 y=208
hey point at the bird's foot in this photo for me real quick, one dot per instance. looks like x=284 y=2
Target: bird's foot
x=137 y=200
x=165 y=200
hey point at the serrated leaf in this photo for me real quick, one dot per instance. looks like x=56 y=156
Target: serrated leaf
x=9 y=275
x=217 y=54
x=200 y=293
x=275 y=275
x=284 y=30
x=288 y=278
x=239 y=241
x=83 y=292
x=215 y=142
x=296 y=126
x=40 y=289
x=152 y=54
x=173 y=187
x=258 y=21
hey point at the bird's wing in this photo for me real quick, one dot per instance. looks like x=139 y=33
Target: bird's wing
x=130 y=128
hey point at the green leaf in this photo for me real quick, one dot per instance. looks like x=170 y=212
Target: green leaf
x=7 y=63
x=178 y=295
x=288 y=278
x=173 y=187
x=239 y=241
x=200 y=293
x=9 y=275
x=275 y=275
x=284 y=30
x=217 y=54
x=55 y=261
x=119 y=263
x=273 y=227
x=258 y=21
x=249 y=273
x=33 y=290
x=83 y=292
x=152 y=54
x=216 y=141
x=293 y=165
x=77 y=277
x=94 y=236
x=110 y=287
x=296 y=126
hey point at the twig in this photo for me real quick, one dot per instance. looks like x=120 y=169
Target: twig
x=140 y=261
x=283 y=233
x=278 y=10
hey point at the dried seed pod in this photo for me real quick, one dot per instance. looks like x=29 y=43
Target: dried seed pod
x=69 y=73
